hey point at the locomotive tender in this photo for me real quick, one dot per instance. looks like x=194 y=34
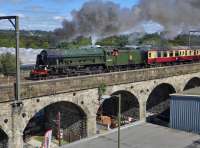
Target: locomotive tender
x=104 y=59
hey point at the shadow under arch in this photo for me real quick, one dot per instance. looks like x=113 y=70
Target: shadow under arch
x=192 y=83
x=73 y=121
x=158 y=104
x=129 y=106
x=3 y=139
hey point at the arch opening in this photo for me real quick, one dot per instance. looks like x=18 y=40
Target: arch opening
x=192 y=83
x=69 y=117
x=158 y=105
x=3 y=139
x=109 y=109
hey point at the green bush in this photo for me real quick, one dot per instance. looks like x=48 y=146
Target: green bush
x=7 y=64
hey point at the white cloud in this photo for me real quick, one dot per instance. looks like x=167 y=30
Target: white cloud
x=59 y=18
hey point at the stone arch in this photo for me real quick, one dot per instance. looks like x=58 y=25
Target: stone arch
x=3 y=139
x=44 y=102
x=73 y=120
x=192 y=83
x=129 y=105
x=158 y=104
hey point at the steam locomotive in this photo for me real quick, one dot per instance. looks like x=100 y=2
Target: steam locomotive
x=105 y=59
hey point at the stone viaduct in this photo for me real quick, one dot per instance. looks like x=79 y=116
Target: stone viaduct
x=83 y=92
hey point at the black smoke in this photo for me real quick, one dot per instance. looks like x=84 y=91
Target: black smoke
x=98 y=18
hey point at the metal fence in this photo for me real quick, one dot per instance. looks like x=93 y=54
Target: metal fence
x=3 y=142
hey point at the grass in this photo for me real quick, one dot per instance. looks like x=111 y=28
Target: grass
x=39 y=138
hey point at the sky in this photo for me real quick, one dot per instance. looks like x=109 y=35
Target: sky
x=44 y=14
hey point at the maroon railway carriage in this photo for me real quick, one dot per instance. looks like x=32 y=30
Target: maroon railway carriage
x=156 y=56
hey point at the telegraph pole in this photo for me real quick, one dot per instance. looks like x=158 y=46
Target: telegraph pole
x=15 y=24
x=17 y=104
x=17 y=60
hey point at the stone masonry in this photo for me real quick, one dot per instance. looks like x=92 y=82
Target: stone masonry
x=83 y=92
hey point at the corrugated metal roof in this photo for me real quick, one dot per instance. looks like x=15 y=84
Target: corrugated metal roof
x=189 y=92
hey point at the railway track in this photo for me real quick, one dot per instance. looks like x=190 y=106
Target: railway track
x=9 y=80
x=83 y=73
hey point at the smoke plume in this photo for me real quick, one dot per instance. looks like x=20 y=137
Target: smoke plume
x=102 y=18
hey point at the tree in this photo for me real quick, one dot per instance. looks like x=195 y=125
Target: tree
x=114 y=41
x=101 y=89
x=7 y=64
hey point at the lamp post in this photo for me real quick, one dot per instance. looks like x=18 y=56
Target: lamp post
x=103 y=98
x=189 y=38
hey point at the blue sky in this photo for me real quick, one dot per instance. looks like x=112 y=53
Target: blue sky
x=44 y=14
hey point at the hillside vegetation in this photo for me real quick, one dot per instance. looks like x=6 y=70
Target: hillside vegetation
x=43 y=39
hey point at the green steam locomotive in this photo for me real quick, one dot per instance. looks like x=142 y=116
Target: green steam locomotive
x=87 y=61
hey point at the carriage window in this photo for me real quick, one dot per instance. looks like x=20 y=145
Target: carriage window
x=108 y=53
x=171 y=54
x=159 y=54
x=165 y=54
x=190 y=52
x=185 y=52
x=176 y=53
x=180 y=53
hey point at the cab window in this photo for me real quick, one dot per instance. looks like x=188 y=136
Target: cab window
x=108 y=53
x=149 y=54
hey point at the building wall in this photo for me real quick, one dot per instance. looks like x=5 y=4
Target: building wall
x=185 y=113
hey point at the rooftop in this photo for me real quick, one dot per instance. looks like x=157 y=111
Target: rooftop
x=190 y=92
x=143 y=135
